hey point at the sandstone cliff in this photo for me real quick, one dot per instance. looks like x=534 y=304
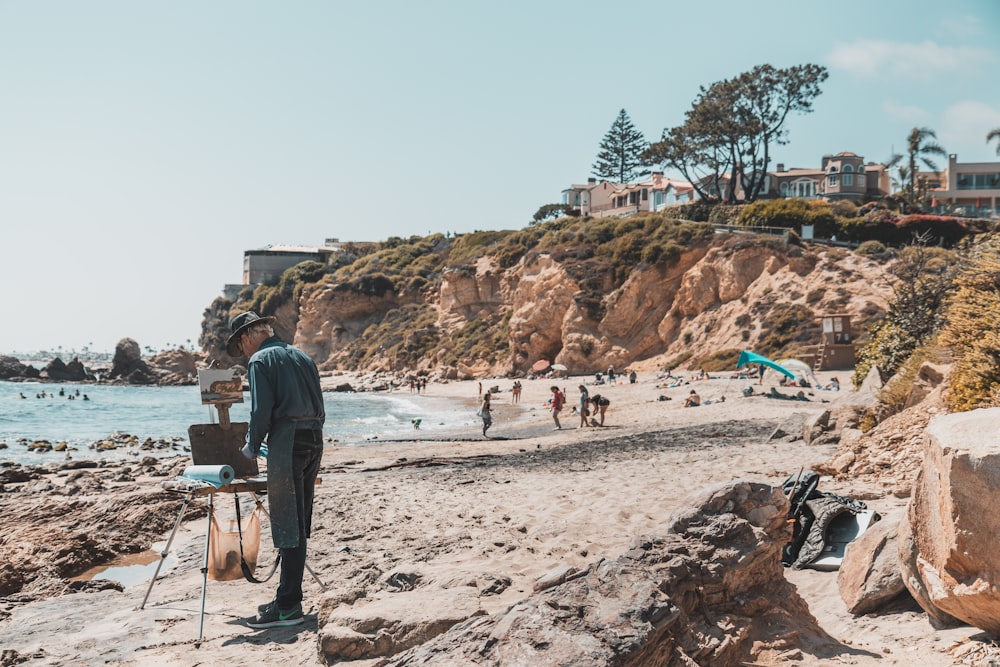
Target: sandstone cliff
x=708 y=301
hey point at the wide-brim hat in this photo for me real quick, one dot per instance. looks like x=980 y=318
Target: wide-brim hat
x=239 y=324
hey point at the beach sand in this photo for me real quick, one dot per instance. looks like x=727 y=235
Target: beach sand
x=518 y=504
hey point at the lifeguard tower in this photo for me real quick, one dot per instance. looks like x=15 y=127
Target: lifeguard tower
x=836 y=346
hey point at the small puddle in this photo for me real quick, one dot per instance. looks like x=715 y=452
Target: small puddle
x=130 y=569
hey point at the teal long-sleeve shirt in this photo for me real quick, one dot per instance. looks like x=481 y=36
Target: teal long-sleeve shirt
x=284 y=386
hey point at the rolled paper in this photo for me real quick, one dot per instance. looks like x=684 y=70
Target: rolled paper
x=215 y=475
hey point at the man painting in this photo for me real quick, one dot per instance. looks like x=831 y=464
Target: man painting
x=287 y=409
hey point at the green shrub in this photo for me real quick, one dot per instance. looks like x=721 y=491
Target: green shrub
x=699 y=210
x=815 y=296
x=971 y=335
x=871 y=248
x=889 y=347
x=775 y=213
x=844 y=209
x=723 y=214
x=651 y=253
x=784 y=325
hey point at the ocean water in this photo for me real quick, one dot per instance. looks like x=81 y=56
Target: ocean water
x=167 y=412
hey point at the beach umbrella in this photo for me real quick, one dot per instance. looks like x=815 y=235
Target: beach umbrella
x=559 y=367
x=540 y=365
x=747 y=357
x=800 y=367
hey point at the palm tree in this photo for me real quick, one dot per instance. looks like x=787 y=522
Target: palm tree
x=994 y=134
x=902 y=179
x=919 y=146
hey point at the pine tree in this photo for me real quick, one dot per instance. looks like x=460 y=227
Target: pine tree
x=620 y=156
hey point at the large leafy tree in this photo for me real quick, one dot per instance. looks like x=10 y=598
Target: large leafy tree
x=620 y=157
x=732 y=126
x=994 y=135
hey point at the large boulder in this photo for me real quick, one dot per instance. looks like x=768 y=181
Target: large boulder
x=869 y=576
x=175 y=367
x=948 y=543
x=128 y=365
x=74 y=371
x=11 y=367
x=711 y=591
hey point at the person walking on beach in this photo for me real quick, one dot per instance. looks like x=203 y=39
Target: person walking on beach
x=486 y=413
x=558 y=400
x=287 y=409
x=515 y=392
x=584 y=405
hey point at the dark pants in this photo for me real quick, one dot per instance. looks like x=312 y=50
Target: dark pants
x=307 y=454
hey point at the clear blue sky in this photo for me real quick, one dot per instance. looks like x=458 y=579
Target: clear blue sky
x=145 y=145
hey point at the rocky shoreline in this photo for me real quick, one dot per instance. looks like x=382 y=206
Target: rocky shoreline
x=503 y=540
x=63 y=518
x=169 y=368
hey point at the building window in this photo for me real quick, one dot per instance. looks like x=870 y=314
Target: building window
x=848 y=177
x=803 y=188
x=784 y=189
x=832 y=180
x=978 y=181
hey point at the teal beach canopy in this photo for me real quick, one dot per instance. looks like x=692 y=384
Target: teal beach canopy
x=747 y=357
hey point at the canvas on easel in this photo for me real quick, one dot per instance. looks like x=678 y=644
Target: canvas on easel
x=219 y=444
x=220 y=387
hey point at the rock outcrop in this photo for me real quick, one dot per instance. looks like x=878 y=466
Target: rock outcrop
x=175 y=367
x=710 y=591
x=128 y=365
x=948 y=540
x=172 y=367
x=11 y=367
x=59 y=371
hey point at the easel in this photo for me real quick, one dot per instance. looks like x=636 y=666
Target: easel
x=195 y=489
x=192 y=489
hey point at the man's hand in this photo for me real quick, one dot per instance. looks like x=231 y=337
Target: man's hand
x=248 y=452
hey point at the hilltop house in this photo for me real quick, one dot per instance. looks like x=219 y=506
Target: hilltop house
x=591 y=197
x=973 y=187
x=841 y=176
x=614 y=199
x=267 y=264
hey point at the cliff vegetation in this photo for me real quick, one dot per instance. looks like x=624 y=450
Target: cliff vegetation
x=649 y=291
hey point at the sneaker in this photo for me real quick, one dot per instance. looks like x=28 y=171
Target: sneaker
x=272 y=617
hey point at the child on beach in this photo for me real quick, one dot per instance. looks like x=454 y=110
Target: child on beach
x=486 y=413
x=558 y=400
